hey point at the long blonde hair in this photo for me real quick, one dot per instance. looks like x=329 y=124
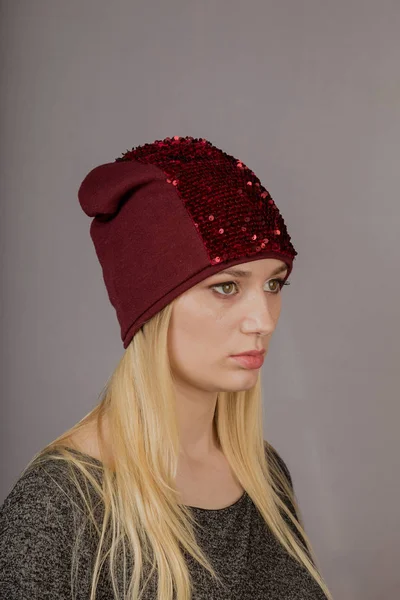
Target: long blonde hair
x=142 y=516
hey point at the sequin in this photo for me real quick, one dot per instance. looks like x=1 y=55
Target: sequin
x=217 y=187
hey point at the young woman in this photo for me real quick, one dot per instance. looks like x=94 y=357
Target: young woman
x=167 y=488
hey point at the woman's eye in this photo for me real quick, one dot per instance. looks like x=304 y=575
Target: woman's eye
x=228 y=284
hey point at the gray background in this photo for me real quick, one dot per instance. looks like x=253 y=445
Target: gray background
x=305 y=92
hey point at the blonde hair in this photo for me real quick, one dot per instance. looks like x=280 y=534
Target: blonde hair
x=141 y=515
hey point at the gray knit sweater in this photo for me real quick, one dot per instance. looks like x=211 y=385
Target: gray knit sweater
x=38 y=526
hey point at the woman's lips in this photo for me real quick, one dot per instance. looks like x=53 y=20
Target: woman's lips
x=250 y=362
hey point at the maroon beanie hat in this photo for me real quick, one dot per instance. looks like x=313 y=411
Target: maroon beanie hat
x=169 y=214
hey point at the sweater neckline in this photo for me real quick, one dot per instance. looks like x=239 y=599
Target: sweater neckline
x=223 y=510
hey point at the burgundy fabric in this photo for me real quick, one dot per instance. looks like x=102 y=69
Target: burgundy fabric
x=169 y=214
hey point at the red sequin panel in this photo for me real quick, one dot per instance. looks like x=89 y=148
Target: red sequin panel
x=232 y=211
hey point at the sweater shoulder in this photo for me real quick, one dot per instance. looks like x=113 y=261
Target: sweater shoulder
x=42 y=484
x=39 y=520
x=276 y=459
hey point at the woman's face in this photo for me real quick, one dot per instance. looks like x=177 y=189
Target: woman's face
x=221 y=316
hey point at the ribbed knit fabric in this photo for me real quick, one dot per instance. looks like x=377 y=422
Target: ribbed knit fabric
x=37 y=527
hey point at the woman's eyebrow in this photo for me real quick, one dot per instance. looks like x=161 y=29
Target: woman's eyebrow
x=243 y=273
